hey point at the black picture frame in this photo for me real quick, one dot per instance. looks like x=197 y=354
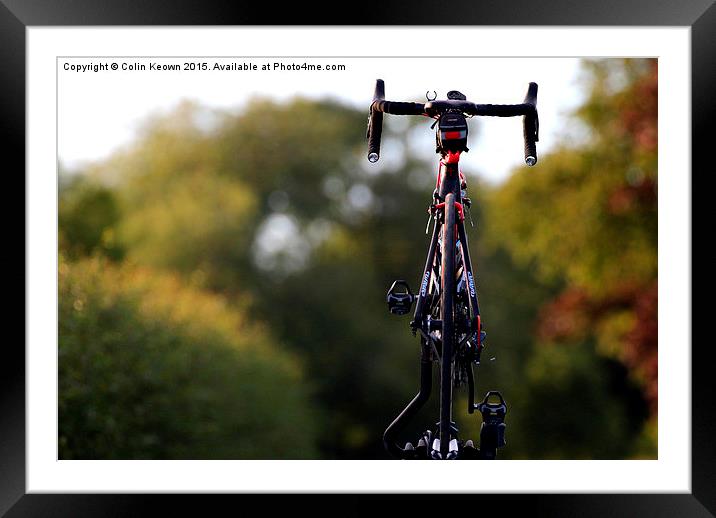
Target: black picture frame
x=17 y=15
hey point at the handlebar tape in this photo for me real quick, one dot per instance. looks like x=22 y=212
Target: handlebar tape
x=398 y=108
x=501 y=110
x=530 y=125
x=375 y=123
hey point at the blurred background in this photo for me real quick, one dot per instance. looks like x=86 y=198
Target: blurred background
x=225 y=249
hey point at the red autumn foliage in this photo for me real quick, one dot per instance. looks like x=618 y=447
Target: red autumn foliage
x=628 y=197
x=565 y=317
x=573 y=314
x=638 y=110
x=576 y=313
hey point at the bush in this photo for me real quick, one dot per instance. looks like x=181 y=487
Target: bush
x=87 y=218
x=149 y=369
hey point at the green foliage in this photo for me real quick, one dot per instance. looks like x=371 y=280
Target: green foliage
x=587 y=214
x=87 y=218
x=198 y=202
x=573 y=407
x=585 y=219
x=197 y=225
x=149 y=369
x=291 y=147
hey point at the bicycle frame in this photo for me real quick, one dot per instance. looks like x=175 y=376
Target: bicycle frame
x=448 y=181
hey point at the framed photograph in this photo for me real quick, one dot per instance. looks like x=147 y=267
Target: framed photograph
x=227 y=226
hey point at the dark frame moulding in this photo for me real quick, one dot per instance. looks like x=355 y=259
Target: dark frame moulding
x=16 y=15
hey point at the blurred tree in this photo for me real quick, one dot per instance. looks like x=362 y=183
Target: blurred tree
x=275 y=200
x=149 y=369
x=586 y=218
x=87 y=218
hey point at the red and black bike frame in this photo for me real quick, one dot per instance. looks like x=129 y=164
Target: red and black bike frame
x=449 y=180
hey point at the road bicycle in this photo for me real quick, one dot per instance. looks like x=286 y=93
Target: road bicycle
x=447 y=314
